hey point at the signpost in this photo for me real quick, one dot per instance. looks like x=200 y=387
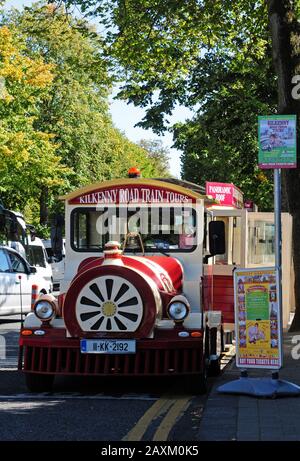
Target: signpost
x=277 y=142
x=258 y=292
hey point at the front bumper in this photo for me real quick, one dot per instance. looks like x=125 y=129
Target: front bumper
x=56 y=354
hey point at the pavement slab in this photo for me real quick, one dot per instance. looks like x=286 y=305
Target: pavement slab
x=246 y=418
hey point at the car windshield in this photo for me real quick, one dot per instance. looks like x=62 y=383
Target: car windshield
x=36 y=256
x=169 y=229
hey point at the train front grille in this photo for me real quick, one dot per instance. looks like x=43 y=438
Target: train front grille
x=70 y=361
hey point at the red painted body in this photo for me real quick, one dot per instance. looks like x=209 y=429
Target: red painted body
x=170 y=265
x=165 y=353
x=219 y=295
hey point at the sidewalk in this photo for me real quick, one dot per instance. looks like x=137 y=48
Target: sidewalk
x=232 y=417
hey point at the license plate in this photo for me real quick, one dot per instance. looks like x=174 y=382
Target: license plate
x=108 y=346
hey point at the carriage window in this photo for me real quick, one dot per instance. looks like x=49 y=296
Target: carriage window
x=161 y=228
x=261 y=243
x=36 y=256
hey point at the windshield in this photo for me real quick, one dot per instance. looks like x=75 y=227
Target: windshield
x=36 y=256
x=169 y=229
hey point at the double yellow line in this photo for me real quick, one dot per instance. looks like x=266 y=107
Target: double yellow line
x=173 y=406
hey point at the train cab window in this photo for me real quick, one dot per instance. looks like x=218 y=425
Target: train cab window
x=161 y=228
x=224 y=258
x=233 y=232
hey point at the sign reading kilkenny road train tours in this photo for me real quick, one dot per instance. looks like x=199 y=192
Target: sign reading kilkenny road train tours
x=131 y=194
x=277 y=141
x=257 y=318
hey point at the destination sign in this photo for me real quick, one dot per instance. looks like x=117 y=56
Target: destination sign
x=137 y=194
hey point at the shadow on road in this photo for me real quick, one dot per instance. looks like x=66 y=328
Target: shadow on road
x=8 y=321
x=13 y=382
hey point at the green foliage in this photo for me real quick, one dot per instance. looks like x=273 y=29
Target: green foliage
x=75 y=109
x=159 y=45
x=214 y=56
x=220 y=143
x=159 y=154
x=56 y=132
x=28 y=158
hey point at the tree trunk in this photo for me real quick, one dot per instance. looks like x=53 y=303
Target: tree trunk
x=44 y=205
x=281 y=25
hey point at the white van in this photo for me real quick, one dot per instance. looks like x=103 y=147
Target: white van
x=17 y=277
x=37 y=257
x=58 y=266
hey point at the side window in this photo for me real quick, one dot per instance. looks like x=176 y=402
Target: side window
x=16 y=263
x=261 y=247
x=226 y=257
x=4 y=265
x=36 y=256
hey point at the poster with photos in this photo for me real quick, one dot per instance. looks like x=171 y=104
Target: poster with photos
x=257 y=318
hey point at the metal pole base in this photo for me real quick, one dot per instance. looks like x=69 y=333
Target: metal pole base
x=260 y=387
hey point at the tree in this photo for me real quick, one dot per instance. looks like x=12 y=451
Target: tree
x=161 y=46
x=28 y=159
x=220 y=142
x=73 y=110
x=159 y=154
x=285 y=32
x=212 y=55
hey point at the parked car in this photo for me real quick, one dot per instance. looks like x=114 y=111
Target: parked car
x=17 y=277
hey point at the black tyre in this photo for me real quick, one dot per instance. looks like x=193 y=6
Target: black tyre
x=214 y=368
x=36 y=382
x=196 y=384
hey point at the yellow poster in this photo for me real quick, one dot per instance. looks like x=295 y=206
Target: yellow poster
x=257 y=319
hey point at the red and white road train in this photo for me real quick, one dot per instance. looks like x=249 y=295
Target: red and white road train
x=131 y=311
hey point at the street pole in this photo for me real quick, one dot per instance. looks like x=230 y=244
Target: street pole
x=278 y=252
x=21 y=301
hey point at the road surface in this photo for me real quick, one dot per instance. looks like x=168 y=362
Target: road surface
x=92 y=409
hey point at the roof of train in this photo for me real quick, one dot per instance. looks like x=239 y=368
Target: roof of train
x=178 y=185
x=187 y=184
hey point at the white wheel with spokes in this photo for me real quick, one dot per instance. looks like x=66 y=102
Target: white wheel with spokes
x=109 y=304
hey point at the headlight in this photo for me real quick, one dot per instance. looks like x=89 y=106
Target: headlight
x=178 y=309
x=44 y=310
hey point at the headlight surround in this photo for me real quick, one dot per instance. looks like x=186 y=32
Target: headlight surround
x=44 y=310
x=178 y=309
